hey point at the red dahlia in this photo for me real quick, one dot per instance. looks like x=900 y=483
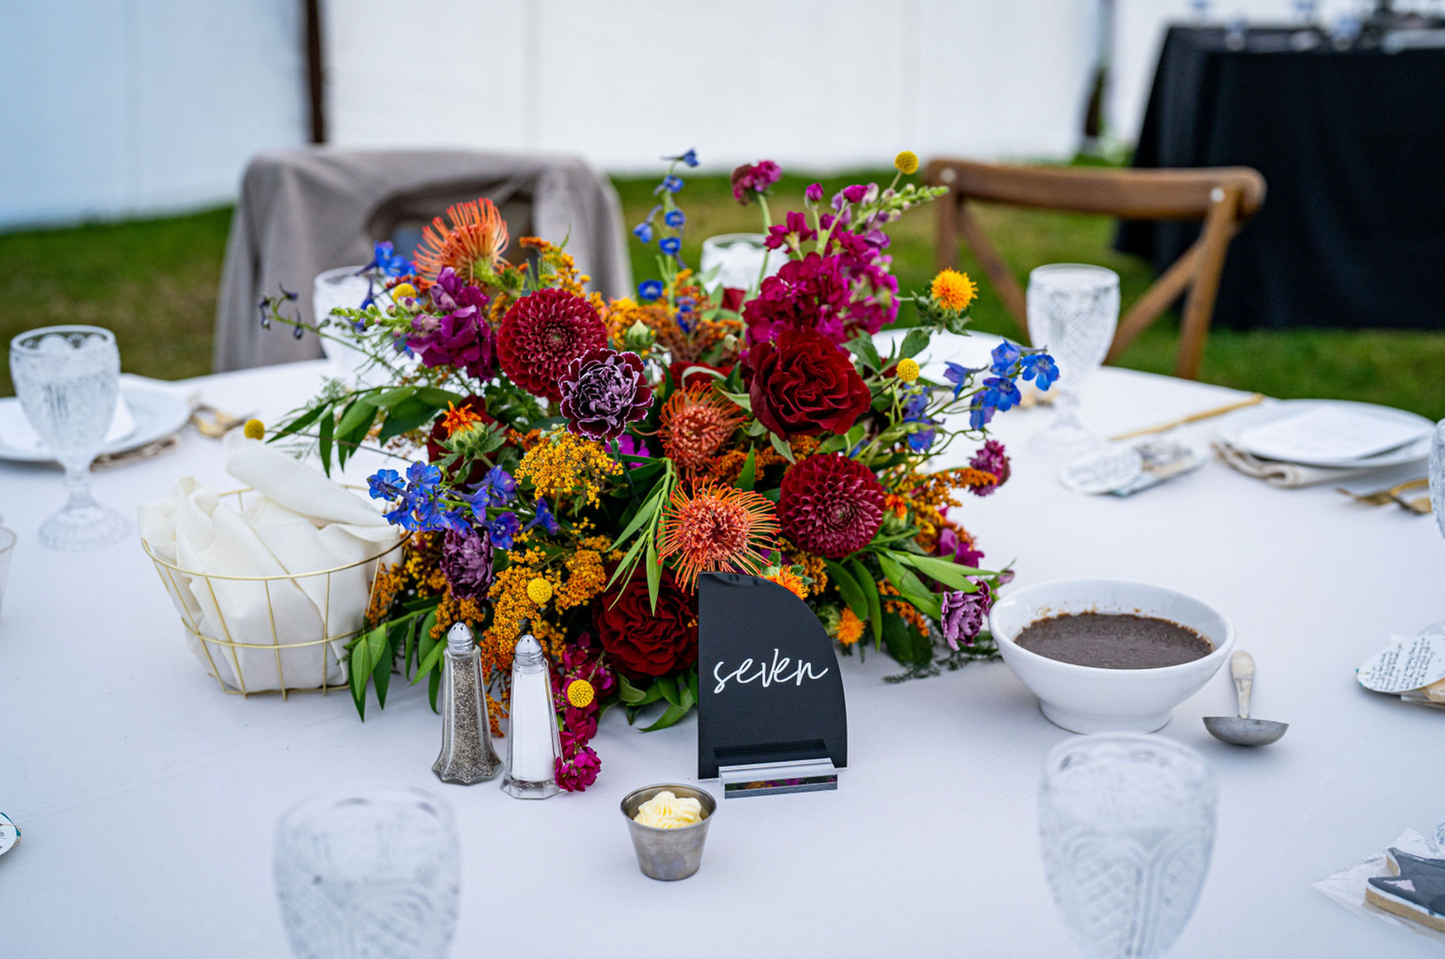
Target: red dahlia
x=544 y=332
x=830 y=505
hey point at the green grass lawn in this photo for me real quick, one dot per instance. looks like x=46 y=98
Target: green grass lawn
x=154 y=282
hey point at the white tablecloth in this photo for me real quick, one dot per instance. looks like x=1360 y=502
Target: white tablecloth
x=149 y=799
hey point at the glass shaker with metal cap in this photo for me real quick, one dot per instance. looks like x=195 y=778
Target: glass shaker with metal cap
x=467 y=755
x=533 y=744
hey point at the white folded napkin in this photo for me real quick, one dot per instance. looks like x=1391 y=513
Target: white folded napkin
x=295 y=522
x=1285 y=475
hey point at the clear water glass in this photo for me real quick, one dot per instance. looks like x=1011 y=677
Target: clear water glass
x=369 y=873
x=1437 y=475
x=740 y=259
x=1073 y=311
x=68 y=381
x=1126 y=825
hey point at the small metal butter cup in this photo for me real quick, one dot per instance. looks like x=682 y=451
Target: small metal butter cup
x=668 y=854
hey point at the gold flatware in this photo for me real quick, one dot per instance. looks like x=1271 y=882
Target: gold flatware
x=1382 y=496
x=218 y=424
x=1253 y=400
x=1419 y=505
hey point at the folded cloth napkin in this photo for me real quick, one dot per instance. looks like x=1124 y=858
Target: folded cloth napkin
x=1284 y=475
x=296 y=522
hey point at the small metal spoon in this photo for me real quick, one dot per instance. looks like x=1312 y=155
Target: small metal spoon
x=1241 y=730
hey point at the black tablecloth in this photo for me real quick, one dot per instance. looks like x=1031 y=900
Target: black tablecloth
x=1352 y=146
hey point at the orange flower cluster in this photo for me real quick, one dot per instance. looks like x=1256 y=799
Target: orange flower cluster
x=814 y=567
x=906 y=610
x=789 y=580
x=850 y=627
x=565 y=464
x=729 y=466
x=928 y=495
x=684 y=347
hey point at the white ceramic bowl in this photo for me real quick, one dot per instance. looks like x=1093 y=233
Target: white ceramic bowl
x=1092 y=699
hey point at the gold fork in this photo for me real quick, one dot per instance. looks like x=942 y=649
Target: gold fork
x=1382 y=496
x=1419 y=505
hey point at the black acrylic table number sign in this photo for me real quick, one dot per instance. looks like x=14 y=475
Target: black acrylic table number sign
x=771 y=717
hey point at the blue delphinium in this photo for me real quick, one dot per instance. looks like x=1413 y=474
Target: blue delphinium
x=671 y=183
x=913 y=408
x=689 y=158
x=544 y=518
x=504 y=529
x=1040 y=368
x=649 y=290
x=384 y=258
x=643 y=231
x=686 y=313
x=958 y=374
x=670 y=246
x=496 y=489
x=1005 y=357
x=386 y=484
x=674 y=219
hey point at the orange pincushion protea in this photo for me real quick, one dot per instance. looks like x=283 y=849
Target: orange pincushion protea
x=717 y=529
x=471 y=245
x=694 y=424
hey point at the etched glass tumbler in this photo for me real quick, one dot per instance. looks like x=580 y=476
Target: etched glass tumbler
x=1437 y=475
x=1126 y=825
x=68 y=380
x=368 y=873
x=1073 y=310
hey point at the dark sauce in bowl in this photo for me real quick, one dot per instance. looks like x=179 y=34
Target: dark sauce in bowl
x=1113 y=641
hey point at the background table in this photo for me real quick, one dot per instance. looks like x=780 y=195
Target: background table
x=1352 y=231
x=149 y=799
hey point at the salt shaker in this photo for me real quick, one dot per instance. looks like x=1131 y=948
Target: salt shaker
x=467 y=755
x=533 y=745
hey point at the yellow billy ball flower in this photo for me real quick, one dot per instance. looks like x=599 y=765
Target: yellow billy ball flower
x=906 y=162
x=539 y=590
x=401 y=290
x=580 y=693
x=254 y=429
x=908 y=370
x=953 y=290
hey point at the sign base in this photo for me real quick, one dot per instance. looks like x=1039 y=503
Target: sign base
x=772 y=779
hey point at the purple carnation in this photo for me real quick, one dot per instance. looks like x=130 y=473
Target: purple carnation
x=602 y=391
x=467 y=563
x=455 y=332
x=964 y=614
x=991 y=459
x=751 y=178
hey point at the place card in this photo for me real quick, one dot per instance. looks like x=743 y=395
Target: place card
x=1327 y=432
x=771 y=711
x=1411 y=662
x=9 y=834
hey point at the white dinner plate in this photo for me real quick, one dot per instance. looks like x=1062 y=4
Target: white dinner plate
x=159 y=411
x=1231 y=430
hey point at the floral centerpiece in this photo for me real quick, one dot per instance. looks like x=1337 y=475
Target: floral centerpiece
x=572 y=465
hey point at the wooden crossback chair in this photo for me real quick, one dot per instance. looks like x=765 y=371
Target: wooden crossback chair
x=1222 y=198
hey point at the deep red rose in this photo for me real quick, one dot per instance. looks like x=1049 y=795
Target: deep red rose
x=435 y=450
x=643 y=642
x=803 y=384
x=697 y=375
x=732 y=298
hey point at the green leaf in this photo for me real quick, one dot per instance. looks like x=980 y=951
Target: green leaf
x=863 y=348
x=668 y=718
x=654 y=571
x=741 y=399
x=668 y=686
x=643 y=515
x=848 y=588
x=692 y=682
x=629 y=693
x=328 y=424
x=300 y=423
x=749 y=474
x=438 y=399
x=405 y=416
x=410 y=647
x=904 y=643
x=784 y=450
x=945 y=571
x=359 y=670
x=432 y=688
x=870 y=593
x=384 y=659
x=390 y=398
x=430 y=661
x=358 y=412
x=913 y=343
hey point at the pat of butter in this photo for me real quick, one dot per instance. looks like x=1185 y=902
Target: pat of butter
x=667 y=811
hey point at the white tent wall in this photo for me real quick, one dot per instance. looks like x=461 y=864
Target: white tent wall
x=115 y=108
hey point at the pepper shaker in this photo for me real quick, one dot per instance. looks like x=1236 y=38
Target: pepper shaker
x=533 y=744
x=467 y=755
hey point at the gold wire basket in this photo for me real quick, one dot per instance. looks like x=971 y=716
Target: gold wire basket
x=308 y=645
